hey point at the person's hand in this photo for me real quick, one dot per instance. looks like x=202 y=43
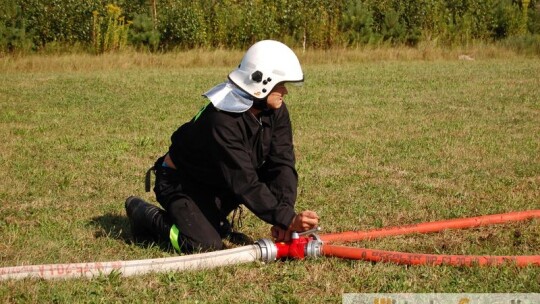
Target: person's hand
x=280 y=235
x=304 y=220
x=301 y=222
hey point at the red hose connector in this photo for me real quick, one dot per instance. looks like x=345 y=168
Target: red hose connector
x=295 y=249
x=301 y=245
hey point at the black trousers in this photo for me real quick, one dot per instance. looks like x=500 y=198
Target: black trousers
x=199 y=214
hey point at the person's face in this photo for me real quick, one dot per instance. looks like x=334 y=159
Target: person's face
x=275 y=98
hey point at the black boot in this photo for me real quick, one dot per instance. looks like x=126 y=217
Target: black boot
x=235 y=237
x=149 y=224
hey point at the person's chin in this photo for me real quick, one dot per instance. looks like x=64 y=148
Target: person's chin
x=276 y=106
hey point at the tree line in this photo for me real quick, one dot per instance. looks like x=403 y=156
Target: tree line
x=161 y=25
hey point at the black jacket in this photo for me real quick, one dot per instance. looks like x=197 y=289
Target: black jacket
x=240 y=156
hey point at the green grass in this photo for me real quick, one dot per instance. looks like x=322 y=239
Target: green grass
x=379 y=143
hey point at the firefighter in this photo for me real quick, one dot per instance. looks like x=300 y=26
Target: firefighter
x=237 y=150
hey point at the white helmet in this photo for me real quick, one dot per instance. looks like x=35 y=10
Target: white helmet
x=266 y=64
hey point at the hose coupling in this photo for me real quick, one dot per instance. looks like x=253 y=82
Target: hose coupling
x=268 y=250
x=314 y=248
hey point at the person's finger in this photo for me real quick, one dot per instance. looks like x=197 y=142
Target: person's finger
x=282 y=235
x=275 y=232
x=310 y=214
x=308 y=226
x=286 y=236
x=310 y=221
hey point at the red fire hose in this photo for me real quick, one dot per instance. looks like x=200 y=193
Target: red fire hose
x=373 y=255
x=427 y=259
x=471 y=222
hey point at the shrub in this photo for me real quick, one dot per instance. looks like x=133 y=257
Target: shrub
x=507 y=19
x=357 y=23
x=526 y=44
x=142 y=33
x=13 y=33
x=182 y=23
x=32 y=24
x=109 y=32
x=66 y=21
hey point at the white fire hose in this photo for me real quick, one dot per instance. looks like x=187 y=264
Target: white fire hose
x=263 y=250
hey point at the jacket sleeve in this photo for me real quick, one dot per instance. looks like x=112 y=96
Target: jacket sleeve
x=279 y=171
x=241 y=177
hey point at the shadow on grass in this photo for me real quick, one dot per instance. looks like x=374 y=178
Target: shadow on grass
x=117 y=227
x=112 y=226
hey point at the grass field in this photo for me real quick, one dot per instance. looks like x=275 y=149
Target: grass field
x=379 y=142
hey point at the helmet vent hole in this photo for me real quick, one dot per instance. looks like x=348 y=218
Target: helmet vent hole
x=257 y=76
